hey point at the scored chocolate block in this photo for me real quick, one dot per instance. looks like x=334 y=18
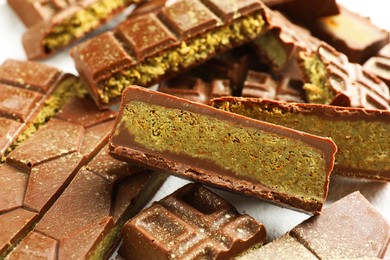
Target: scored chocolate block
x=38 y=170
x=346 y=127
x=350 y=228
x=223 y=149
x=30 y=93
x=191 y=223
x=183 y=34
x=53 y=25
x=87 y=218
x=380 y=65
x=351 y=34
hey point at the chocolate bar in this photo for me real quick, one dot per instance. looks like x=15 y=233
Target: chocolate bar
x=148 y=48
x=333 y=80
x=229 y=151
x=191 y=223
x=346 y=127
x=37 y=171
x=350 y=228
x=351 y=34
x=30 y=93
x=87 y=218
x=53 y=25
x=380 y=65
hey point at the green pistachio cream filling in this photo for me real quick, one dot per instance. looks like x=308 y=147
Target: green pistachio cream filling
x=285 y=165
x=272 y=49
x=350 y=136
x=186 y=54
x=81 y=22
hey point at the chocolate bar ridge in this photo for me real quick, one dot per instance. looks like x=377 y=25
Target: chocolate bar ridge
x=150 y=47
x=212 y=146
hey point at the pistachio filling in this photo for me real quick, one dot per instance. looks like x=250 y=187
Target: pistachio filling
x=81 y=22
x=183 y=56
x=283 y=164
x=318 y=90
x=371 y=153
x=68 y=88
x=272 y=49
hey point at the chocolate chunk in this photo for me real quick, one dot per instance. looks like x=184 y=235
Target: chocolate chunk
x=53 y=25
x=30 y=94
x=192 y=222
x=350 y=228
x=37 y=172
x=199 y=142
x=346 y=127
x=183 y=34
x=380 y=65
x=351 y=34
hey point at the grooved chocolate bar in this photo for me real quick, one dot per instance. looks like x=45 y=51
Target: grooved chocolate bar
x=86 y=219
x=30 y=93
x=229 y=151
x=37 y=172
x=380 y=64
x=53 y=25
x=148 y=48
x=191 y=223
x=346 y=126
x=350 y=228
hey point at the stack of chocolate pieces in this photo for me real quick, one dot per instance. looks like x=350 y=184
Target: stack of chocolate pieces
x=236 y=108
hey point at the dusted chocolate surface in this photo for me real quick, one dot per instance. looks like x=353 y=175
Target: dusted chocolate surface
x=193 y=141
x=191 y=223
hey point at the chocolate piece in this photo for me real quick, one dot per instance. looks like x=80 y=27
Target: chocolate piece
x=351 y=34
x=37 y=172
x=183 y=34
x=346 y=127
x=191 y=223
x=53 y=25
x=334 y=80
x=30 y=93
x=380 y=65
x=212 y=146
x=350 y=228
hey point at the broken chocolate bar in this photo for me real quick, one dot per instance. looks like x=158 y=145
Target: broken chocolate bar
x=53 y=25
x=346 y=127
x=148 y=48
x=37 y=171
x=191 y=223
x=351 y=34
x=223 y=149
x=30 y=93
x=380 y=65
x=350 y=228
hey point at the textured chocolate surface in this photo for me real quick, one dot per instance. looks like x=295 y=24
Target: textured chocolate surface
x=64 y=21
x=169 y=44
x=124 y=146
x=351 y=34
x=349 y=126
x=380 y=64
x=37 y=172
x=24 y=88
x=350 y=228
x=193 y=223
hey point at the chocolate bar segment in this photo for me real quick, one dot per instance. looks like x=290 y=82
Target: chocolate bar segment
x=192 y=222
x=53 y=25
x=30 y=94
x=380 y=64
x=202 y=143
x=350 y=228
x=346 y=127
x=184 y=34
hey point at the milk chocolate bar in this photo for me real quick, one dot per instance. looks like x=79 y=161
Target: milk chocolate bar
x=333 y=80
x=350 y=228
x=351 y=34
x=87 y=218
x=380 y=65
x=37 y=171
x=53 y=25
x=30 y=93
x=229 y=151
x=191 y=223
x=346 y=126
x=148 y=48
